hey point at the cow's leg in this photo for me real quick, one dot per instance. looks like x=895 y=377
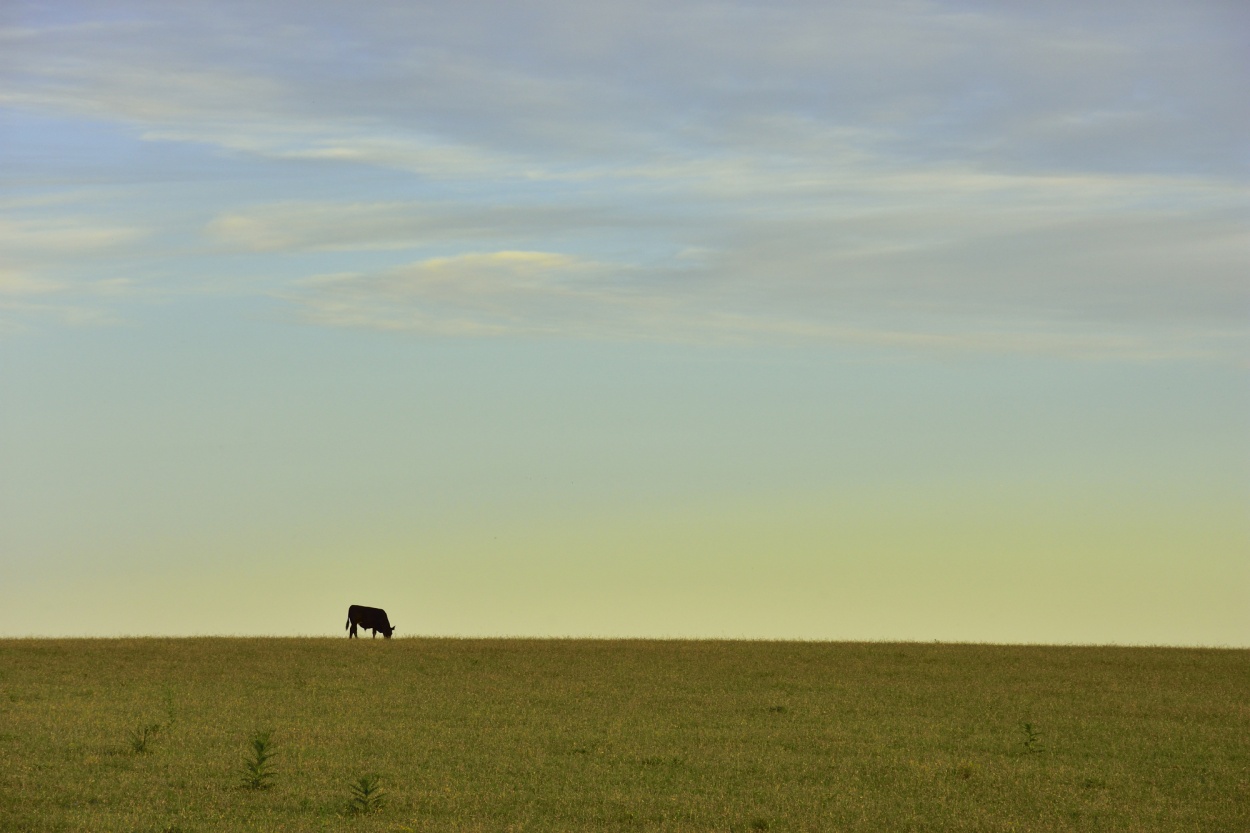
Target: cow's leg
x=352 y=633
x=375 y=633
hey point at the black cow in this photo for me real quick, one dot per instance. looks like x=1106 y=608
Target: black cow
x=370 y=618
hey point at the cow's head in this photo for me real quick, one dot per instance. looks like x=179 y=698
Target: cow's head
x=387 y=633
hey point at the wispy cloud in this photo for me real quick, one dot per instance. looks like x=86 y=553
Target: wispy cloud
x=509 y=293
x=900 y=172
x=340 y=226
x=49 y=265
x=16 y=282
x=482 y=293
x=27 y=299
x=25 y=238
x=1119 y=90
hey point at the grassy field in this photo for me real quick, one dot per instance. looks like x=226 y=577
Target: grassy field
x=495 y=735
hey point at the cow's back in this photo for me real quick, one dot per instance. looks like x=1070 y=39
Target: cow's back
x=373 y=618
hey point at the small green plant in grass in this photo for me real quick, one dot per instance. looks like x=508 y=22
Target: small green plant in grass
x=1032 y=738
x=171 y=708
x=258 y=771
x=367 y=795
x=142 y=736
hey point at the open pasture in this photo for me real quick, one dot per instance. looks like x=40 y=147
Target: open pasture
x=554 y=735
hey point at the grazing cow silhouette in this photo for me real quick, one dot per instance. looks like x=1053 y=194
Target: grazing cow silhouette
x=370 y=618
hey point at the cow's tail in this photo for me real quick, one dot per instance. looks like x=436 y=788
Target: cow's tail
x=348 y=625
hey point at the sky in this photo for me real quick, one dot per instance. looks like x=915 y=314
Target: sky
x=891 y=320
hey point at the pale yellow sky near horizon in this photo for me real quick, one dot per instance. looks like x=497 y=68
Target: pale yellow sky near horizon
x=504 y=489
